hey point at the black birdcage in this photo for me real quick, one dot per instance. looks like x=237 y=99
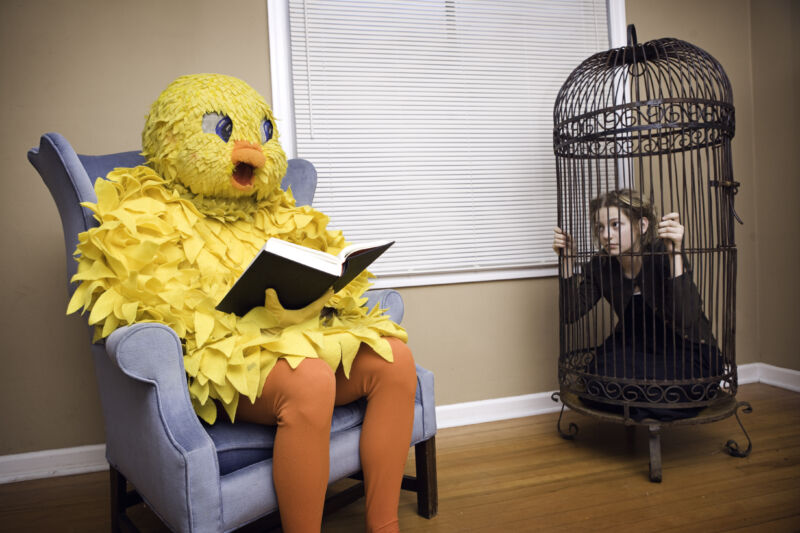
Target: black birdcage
x=647 y=332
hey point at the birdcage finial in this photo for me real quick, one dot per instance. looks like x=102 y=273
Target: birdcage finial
x=632 y=42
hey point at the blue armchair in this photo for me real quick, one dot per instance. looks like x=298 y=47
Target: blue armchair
x=197 y=477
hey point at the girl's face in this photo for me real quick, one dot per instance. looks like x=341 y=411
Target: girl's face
x=615 y=232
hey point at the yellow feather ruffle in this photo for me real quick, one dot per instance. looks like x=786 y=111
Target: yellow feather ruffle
x=156 y=256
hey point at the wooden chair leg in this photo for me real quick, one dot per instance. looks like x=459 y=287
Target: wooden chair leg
x=120 y=501
x=427 y=484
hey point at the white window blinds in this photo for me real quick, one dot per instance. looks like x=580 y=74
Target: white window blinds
x=430 y=123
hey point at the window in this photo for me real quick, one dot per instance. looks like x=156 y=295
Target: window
x=430 y=122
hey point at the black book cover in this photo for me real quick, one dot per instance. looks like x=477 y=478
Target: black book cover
x=296 y=284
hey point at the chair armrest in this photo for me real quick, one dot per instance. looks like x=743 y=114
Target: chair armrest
x=425 y=398
x=152 y=353
x=145 y=351
x=388 y=299
x=153 y=434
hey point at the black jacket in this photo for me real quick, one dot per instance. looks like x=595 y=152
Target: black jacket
x=676 y=301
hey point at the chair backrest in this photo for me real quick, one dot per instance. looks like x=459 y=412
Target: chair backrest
x=70 y=178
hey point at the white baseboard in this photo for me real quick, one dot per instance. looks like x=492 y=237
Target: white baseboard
x=784 y=378
x=83 y=459
x=748 y=373
x=52 y=463
x=467 y=413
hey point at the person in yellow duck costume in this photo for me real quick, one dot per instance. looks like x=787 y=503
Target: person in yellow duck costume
x=174 y=236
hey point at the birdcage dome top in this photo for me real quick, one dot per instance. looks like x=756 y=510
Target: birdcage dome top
x=661 y=96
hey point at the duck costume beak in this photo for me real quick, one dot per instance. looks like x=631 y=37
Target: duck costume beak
x=246 y=157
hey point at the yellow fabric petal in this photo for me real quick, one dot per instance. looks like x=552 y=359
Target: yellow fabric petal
x=129 y=312
x=110 y=325
x=143 y=253
x=302 y=220
x=98 y=270
x=207 y=411
x=349 y=344
x=199 y=391
x=214 y=364
x=107 y=194
x=293 y=343
x=267 y=363
x=293 y=361
x=203 y=326
x=382 y=348
x=103 y=306
x=226 y=392
x=145 y=205
x=230 y=407
x=77 y=300
x=225 y=346
x=128 y=219
x=252 y=375
x=192 y=246
x=237 y=375
x=191 y=362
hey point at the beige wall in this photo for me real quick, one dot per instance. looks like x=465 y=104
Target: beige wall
x=776 y=87
x=89 y=69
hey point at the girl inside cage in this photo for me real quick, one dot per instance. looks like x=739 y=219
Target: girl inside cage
x=661 y=352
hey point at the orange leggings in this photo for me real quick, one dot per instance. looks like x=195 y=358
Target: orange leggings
x=301 y=403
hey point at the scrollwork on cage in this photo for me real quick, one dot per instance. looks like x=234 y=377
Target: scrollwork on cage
x=653 y=127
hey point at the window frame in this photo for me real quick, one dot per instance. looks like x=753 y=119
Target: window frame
x=283 y=107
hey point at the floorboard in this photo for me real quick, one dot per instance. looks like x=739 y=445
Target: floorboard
x=519 y=475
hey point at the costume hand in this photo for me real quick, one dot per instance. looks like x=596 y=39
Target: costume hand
x=671 y=231
x=289 y=317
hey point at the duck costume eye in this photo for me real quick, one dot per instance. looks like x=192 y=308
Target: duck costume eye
x=221 y=125
x=266 y=130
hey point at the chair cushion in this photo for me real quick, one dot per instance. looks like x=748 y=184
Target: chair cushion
x=242 y=444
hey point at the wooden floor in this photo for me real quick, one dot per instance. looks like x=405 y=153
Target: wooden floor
x=519 y=475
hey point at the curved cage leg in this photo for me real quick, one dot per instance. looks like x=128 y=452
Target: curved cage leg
x=732 y=446
x=655 y=453
x=573 y=427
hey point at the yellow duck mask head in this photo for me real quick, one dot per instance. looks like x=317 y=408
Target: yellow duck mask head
x=215 y=136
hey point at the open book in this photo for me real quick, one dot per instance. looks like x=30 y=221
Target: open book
x=298 y=274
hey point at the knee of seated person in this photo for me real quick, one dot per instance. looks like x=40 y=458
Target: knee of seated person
x=310 y=396
x=403 y=370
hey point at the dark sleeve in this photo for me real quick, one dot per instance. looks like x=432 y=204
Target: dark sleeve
x=685 y=305
x=580 y=293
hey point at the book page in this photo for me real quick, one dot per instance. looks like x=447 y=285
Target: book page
x=357 y=247
x=304 y=255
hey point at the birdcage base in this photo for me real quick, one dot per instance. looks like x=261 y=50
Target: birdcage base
x=720 y=410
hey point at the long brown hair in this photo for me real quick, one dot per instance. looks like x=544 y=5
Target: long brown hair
x=634 y=206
